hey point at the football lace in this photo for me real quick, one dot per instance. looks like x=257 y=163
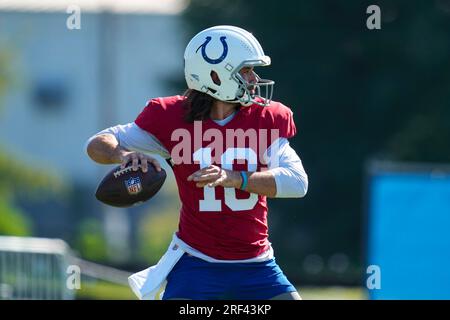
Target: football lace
x=124 y=170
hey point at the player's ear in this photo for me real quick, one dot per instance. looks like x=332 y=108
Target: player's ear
x=215 y=78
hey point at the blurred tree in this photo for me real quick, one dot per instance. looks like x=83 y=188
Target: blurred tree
x=356 y=94
x=90 y=242
x=13 y=221
x=155 y=232
x=18 y=177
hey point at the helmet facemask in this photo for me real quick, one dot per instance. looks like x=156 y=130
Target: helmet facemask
x=248 y=93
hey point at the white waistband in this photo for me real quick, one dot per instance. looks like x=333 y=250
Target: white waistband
x=267 y=255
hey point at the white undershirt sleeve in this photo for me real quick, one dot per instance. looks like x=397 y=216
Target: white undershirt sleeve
x=287 y=168
x=133 y=138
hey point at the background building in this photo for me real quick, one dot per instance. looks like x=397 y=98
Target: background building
x=67 y=84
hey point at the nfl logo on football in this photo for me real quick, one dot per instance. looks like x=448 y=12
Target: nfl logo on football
x=133 y=185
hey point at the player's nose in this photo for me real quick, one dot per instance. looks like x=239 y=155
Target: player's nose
x=251 y=77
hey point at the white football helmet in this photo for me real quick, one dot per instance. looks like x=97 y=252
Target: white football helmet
x=226 y=50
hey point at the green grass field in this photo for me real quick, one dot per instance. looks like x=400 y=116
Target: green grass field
x=333 y=293
x=104 y=291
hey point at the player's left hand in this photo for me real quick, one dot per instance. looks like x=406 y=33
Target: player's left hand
x=213 y=176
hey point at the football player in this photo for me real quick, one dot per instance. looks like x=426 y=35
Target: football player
x=229 y=149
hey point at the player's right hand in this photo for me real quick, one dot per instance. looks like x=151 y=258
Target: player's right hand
x=136 y=159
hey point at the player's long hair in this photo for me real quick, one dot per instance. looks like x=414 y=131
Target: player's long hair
x=197 y=105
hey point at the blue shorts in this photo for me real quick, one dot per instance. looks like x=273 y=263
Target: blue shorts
x=196 y=279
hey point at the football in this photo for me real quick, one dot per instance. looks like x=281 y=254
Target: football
x=125 y=187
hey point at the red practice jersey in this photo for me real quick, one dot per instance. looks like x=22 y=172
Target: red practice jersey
x=223 y=223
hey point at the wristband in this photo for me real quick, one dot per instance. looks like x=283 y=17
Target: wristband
x=244 y=180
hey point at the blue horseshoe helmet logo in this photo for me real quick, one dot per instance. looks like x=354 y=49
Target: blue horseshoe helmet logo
x=208 y=59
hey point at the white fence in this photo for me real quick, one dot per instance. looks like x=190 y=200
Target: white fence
x=36 y=268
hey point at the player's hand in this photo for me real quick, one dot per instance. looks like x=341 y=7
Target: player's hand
x=136 y=159
x=213 y=176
